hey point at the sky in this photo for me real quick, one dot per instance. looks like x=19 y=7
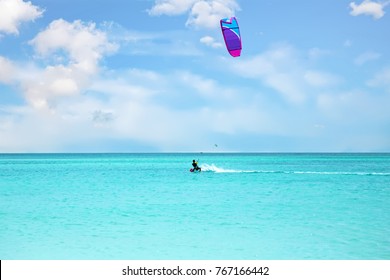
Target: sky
x=155 y=76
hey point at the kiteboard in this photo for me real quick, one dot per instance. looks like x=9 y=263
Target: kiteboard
x=195 y=171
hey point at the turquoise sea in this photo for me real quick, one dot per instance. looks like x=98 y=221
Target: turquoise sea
x=149 y=206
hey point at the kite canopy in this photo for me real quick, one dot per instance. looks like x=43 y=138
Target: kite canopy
x=231 y=34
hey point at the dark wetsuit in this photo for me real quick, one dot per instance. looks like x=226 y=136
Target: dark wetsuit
x=195 y=165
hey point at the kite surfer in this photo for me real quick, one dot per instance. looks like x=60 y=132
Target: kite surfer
x=196 y=167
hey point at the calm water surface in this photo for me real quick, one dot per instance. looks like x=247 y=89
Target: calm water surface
x=149 y=206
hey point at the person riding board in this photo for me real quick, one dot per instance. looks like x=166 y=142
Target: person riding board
x=195 y=165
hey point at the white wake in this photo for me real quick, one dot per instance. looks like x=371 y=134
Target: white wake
x=213 y=168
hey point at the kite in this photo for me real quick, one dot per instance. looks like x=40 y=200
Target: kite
x=231 y=34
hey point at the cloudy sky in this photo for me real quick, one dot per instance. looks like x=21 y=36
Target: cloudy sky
x=155 y=76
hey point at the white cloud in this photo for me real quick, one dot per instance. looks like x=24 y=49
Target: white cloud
x=288 y=72
x=14 y=12
x=355 y=106
x=181 y=110
x=178 y=110
x=43 y=87
x=202 y=13
x=316 y=53
x=135 y=106
x=83 y=43
x=279 y=69
x=381 y=79
x=355 y=119
x=366 y=57
x=210 y=41
x=320 y=79
x=79 y=46
x=171 y=7
x=7 y=70
x=207 y=14
x=369 y=8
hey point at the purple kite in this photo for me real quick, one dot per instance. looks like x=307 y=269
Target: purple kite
x=231 y=34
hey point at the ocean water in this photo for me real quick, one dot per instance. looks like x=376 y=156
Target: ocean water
x=149 y=206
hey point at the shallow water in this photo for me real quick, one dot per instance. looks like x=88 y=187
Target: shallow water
x=149 y=206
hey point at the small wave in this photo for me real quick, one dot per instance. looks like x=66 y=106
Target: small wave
x=340 y=173
x=216 y=169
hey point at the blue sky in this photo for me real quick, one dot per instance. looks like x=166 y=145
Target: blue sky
x=155 y=76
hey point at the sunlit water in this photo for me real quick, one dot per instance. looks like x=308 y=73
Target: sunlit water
x=149 y=206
